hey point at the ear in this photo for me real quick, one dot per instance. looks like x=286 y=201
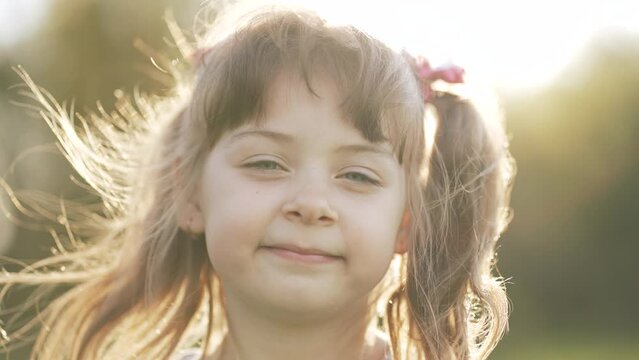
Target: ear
x=190 y=218
x=402 y=241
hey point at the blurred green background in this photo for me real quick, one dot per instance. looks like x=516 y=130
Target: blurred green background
x=571 y=250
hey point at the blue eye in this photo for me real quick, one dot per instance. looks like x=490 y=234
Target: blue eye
x=360 y=177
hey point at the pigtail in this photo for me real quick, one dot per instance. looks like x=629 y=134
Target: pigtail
x=138 y=282
x=162 y=277
x=458 y=310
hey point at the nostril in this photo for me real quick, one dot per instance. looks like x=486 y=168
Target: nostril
x=309 y=213
x=294 y=215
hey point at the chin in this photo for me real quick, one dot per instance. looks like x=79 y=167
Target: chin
x=305 y=306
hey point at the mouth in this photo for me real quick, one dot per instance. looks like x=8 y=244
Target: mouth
x=304 y=255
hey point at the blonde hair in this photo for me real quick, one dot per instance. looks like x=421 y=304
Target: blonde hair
x=142 y=283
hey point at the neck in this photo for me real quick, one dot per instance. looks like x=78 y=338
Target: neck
x=344 y=336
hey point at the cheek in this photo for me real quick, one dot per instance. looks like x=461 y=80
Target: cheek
x=368 y=258
x=370 y=234
x=236 y=215
x=378 y=218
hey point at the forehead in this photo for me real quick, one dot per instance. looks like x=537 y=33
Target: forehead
x=291 y=93
x=289 y=88
x=309 y=108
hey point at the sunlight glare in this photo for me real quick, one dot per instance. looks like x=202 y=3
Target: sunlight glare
x=511 y=44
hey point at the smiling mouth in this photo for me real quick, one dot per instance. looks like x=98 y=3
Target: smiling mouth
x=308 y=256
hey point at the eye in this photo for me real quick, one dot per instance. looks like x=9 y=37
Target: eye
x=267 y=165
x=360 y=177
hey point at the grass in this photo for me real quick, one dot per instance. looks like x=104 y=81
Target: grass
x=569 y=347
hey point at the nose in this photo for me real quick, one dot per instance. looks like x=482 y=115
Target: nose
x=310 y=207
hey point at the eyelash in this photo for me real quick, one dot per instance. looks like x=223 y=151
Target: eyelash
x=366 y=179
x=258 y=165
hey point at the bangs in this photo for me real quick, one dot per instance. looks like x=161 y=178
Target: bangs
x=380 y=95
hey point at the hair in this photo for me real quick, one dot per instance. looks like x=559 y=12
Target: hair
x=141 y=285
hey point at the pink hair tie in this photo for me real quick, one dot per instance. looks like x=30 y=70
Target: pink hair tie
x=427 y=75
x=197 y=57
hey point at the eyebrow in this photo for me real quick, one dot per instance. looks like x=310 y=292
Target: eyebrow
x=279 y=137
x=285 y=138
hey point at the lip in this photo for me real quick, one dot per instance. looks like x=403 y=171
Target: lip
x=299 y=254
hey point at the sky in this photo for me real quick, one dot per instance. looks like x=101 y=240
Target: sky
x=512 y=44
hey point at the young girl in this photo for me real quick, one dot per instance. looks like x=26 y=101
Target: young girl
x=294 y=199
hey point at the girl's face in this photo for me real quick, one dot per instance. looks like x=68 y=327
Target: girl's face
x=301 y=214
